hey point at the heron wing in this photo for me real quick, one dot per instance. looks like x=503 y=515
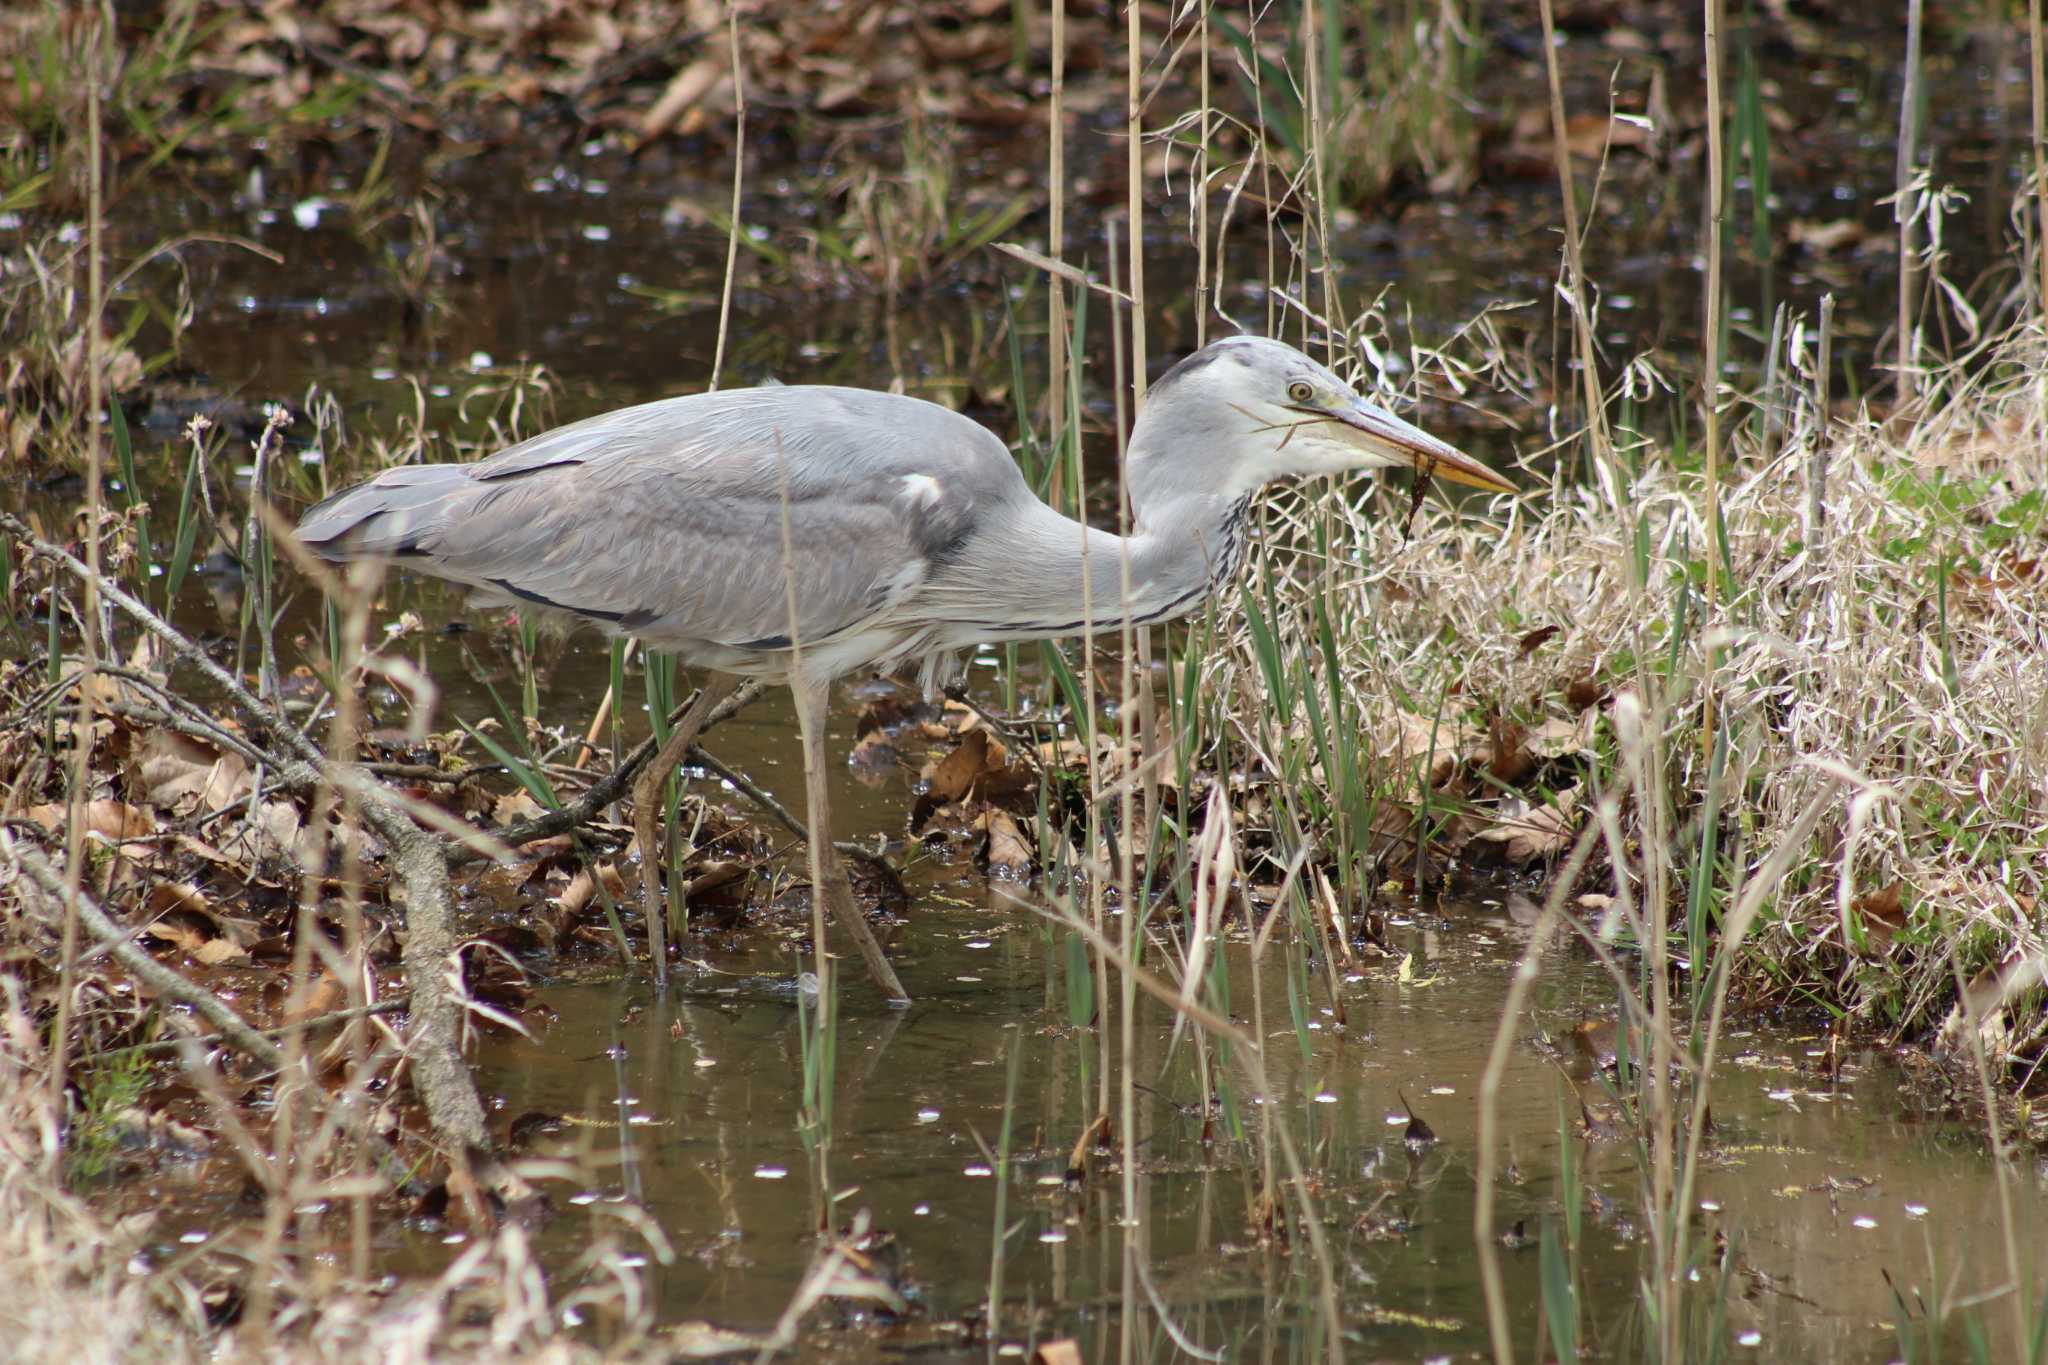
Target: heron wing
x=675 y=520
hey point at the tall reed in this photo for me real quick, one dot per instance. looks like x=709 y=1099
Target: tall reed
x=98 y=57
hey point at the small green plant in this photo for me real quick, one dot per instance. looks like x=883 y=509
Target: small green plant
x=111 y=1090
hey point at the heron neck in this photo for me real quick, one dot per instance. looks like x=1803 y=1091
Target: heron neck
x=1039 y=575
x=1180 y=552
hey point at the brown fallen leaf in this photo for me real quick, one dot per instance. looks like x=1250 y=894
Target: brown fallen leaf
x=106 y=817
x=1882 y=914
x=1529 y=833
x=582 y=889
x=516 y=807
x=183 y=921
x=1508 y=759
x=182 y=775
x=1584 y=693
x=1585 y=135
x=955 y=774
x=1839 y=234
x=685 y=89
x=1005 y=851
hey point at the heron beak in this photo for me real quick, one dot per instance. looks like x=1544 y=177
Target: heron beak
x=1403 y=445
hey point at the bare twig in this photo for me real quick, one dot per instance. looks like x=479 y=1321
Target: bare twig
x=89 y=639
x=613 y=786
x=278 y=1034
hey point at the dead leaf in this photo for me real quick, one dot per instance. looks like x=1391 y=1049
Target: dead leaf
x=517 y=807
x=1585 y=135
x=955 y=774
x=1839 y=234
x=109 y=819
x=582 y=889
x=1005 y=851
x=1883 y=914
x=183 y=921
x=1529 y=833
x=685 y=89
x=183 y=775
x=327 y=995
x=1508 y=759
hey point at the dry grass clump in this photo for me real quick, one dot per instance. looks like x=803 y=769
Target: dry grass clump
x=87 y=1284
x=70 y=1293
x=1900 y=649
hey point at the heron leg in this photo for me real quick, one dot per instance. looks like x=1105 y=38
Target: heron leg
x=828 y=874
x=647 y=806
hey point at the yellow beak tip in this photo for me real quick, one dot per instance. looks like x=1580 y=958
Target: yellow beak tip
x=1466 y=471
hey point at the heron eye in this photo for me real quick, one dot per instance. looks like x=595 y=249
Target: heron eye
x=1300 y=391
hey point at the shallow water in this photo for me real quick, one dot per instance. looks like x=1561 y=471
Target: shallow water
x=691 y=1106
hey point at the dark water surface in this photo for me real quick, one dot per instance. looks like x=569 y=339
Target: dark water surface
x=691 y=1107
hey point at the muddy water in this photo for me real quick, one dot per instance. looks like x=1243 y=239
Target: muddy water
x=689 y=1104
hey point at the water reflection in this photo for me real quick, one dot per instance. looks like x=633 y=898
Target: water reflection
x=690 y=1104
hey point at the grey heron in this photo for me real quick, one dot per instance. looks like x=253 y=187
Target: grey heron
x=801 y=533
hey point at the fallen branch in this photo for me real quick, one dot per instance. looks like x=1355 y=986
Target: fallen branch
x=747 y=787
x=234 y=1030
x=610 y=788
x=278 y=1034
x=438 y=1070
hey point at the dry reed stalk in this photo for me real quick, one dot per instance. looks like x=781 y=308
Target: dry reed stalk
x=1820 y=443
x=1710 y=380
x=2037 y=83
x=739 y=175
x=80 y=786
x=587 y=750
x=1203 y=301
x=1601 y=447
x=1906 y=171
x=1311 y=47
x=1056 y=245
x=1134 y=131
x=1119 y=373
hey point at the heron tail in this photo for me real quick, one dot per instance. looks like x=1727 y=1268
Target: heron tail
x=390 y=515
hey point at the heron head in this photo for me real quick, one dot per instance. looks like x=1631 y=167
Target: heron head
x=1287 y=416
